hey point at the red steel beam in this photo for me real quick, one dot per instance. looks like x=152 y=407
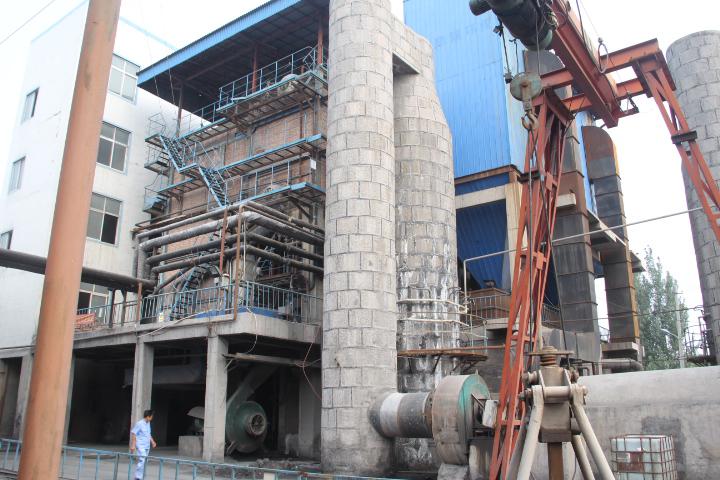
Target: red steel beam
x=569 y=44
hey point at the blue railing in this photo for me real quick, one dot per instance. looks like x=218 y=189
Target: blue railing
x=297 y=63
x=207 y=302
x=93 y=464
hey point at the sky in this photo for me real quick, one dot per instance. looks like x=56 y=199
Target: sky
x=649 y=163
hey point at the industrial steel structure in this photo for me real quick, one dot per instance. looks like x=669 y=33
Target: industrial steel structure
x=310 y=281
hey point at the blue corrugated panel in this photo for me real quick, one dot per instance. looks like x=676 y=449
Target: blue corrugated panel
x=469 y=72
x=482 y=184
x=223 y=33
x=482 y=230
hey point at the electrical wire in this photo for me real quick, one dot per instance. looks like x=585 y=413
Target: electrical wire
x=27 y=21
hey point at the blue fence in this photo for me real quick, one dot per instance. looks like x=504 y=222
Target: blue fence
x=91 y=464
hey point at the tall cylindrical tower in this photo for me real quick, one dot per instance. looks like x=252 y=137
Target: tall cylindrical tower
x=695 y=65
x=360 y=311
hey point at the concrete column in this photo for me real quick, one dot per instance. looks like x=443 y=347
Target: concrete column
x=68 y=410
x=616 y=259
x=142 y=379
x=309 y=415
x=360 y=311
x=215 y=399
x=695 y=65
x=9 y=398
x=4 y=384
x=22 y=396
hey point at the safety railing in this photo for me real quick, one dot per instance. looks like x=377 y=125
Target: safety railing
x=278 y=176
x=92 y=464
x=494 y=309
x=297 y=63
x=252 y=297
x=699 y=344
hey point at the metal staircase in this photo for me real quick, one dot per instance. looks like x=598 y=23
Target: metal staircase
x=184 y=155
x=185 y=298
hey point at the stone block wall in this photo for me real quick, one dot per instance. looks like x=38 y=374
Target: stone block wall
x=360 y=311
x=695 y=65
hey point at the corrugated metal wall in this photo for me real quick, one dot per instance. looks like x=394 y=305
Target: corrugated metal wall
x=469 y=72
x=483 y=230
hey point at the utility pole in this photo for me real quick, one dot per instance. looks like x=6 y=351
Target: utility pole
x=47 y=403
x=680 y=338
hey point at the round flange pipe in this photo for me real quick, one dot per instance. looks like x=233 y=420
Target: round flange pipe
x=403 y=415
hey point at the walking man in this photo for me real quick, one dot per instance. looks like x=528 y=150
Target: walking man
x=140 y=442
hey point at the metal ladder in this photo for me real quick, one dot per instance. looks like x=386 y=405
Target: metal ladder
x=180 y=151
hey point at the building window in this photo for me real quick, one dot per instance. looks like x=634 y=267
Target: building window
x=29 y=107
x=123 y=78
x=104 y=219
x=91 y=297
x=113 y=147
x=16 y=174
x=6 y=239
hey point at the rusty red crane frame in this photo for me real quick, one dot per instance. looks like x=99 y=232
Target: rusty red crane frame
x=600 y=95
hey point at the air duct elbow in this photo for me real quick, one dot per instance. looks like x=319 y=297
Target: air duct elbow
x=534 y=28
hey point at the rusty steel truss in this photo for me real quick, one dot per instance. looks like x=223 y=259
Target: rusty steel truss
x=589 y=73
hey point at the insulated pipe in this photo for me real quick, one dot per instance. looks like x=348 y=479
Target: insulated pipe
x=229 y=240
x=251 y=217
x=230 y=251
x=586 y=429
x=282 y=216
x=521 y=18
x=38 y=264
x=582 y=458
x=193 y=232
x=219 y=212
x=403 y=415
x=287 y=229
x=532 y=435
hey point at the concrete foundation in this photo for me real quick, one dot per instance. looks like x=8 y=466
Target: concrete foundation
x=190 y=446
x=360 y=312
x=695 y=65
x=642 y=403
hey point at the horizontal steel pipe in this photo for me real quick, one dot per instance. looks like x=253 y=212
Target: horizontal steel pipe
x=188 y=221
x=193 y=231
x=279 y=259
x=231 y=251
x=250 y=217
x=230 y=240
x=275 y=213
x=36 y=264
x=254 y=237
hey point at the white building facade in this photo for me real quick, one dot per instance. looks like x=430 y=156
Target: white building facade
x=27 y=199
